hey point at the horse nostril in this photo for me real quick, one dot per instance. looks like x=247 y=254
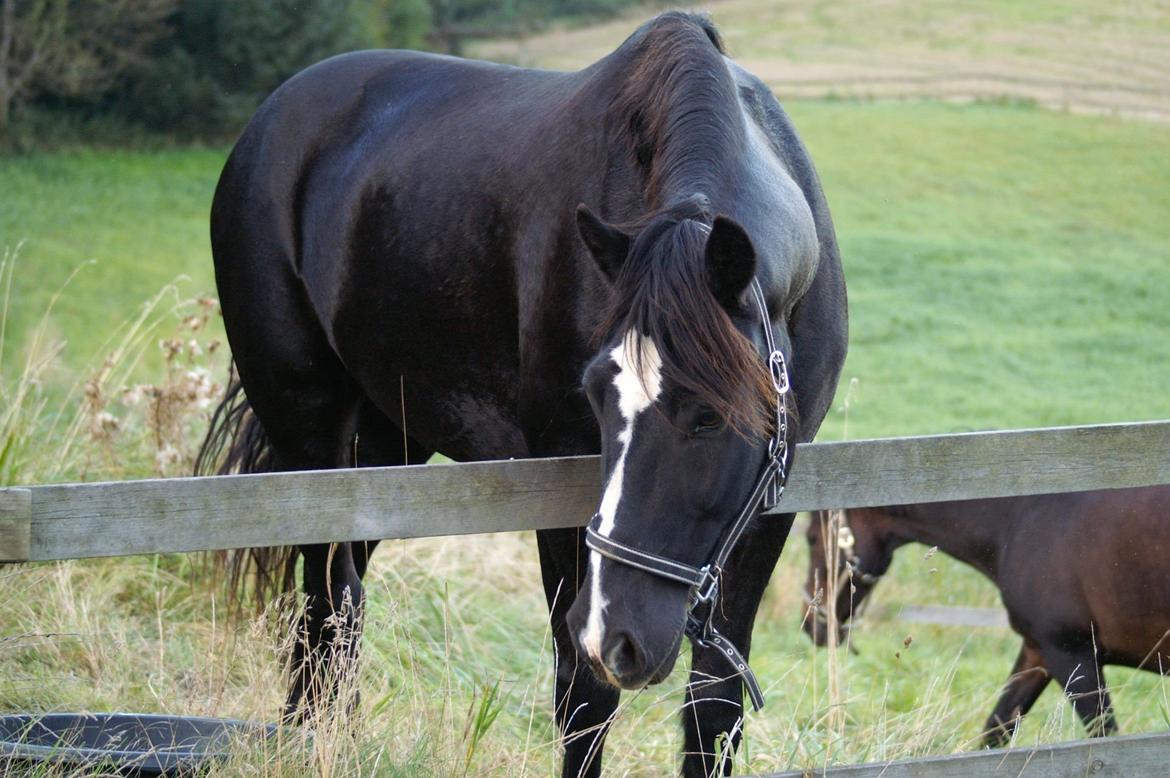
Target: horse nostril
x=623 y=657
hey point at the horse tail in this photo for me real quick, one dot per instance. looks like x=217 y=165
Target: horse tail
x=236 y=443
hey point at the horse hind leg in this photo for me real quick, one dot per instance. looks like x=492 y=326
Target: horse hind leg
x=325 y=651
x=309 y=407
x=325 y=643
x=325 y=648
x=1024 y=686
x=1084 y=684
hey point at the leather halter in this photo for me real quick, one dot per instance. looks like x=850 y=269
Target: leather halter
x=704 y=580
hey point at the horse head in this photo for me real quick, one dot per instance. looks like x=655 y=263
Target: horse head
x=686 y=408
x=857 y=546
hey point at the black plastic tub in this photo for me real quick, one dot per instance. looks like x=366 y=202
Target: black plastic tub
x=121 y=743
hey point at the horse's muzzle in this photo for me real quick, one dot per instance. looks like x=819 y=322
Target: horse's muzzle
x=639 y=641
x=625 y=664
x=815 y=625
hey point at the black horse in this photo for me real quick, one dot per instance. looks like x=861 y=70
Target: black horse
x=403 y=269
x=1082 y=575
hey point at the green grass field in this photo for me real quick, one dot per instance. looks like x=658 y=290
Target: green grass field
x=1007 y=267
x=127 y=223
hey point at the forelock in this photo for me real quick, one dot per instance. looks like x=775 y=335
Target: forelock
x=662 y=294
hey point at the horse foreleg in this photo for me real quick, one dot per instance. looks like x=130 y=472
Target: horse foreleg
x=713 y=713
x=325 y=646
x=1084 y=685
x=1024 y=686
x=584 y=706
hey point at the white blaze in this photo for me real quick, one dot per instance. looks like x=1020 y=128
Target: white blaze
x=637 y=391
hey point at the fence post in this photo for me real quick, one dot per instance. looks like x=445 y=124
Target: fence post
x=15 y=524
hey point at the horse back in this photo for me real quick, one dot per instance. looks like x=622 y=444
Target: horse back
x=819 y=321
x=395 y=203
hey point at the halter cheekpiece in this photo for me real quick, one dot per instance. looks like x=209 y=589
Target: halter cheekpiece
x=704 y=581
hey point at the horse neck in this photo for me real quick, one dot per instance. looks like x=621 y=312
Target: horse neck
x=677 y=107
x=967 y=530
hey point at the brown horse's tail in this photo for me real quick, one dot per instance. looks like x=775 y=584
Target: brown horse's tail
x=236 y=443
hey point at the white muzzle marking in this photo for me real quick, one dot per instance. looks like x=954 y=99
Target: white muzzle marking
x=639 y=383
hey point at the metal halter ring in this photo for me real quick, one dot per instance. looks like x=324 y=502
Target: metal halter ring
x=707 y=590
x=779 y=371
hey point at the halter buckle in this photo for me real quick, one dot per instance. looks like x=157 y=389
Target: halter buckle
x=702 y=607
x=845 y=539
x=708 y=589
x=778 y=451
x=779 y=370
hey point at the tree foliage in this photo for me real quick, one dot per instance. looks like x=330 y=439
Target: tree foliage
x=224 y=57
x=198 y=68
x=74 y=49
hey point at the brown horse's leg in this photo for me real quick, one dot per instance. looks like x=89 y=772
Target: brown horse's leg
x=1023 y=688
x=1084 y=685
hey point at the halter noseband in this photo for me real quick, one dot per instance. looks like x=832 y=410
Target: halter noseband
x=704 y=581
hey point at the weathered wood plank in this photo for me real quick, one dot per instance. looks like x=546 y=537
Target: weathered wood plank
x=189 y=514
x=1133 y=756
x=894 y=471
x=15 y=524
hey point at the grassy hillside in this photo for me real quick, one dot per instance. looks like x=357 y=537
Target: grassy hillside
x=128 y=223
x=1007 y=266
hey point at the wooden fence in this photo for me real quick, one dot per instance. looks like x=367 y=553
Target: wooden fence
x=1131 y=756
x=72 y=521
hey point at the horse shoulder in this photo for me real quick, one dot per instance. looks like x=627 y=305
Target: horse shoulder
x=763 y=107
x=817 y=317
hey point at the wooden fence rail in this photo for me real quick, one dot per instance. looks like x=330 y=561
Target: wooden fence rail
x=72 y=521
x=1132 y=756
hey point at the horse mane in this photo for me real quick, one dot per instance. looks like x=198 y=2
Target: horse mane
x=677 y=112
x=676 y=108
x=662 y=292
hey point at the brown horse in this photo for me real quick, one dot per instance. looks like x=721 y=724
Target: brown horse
x=1083 y=578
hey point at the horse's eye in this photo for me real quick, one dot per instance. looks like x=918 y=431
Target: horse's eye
x=707 y=420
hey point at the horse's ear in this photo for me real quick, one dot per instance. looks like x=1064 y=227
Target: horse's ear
x=606 y=243
x=731 y=261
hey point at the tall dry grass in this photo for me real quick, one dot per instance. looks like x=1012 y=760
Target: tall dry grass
x=137 y=409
